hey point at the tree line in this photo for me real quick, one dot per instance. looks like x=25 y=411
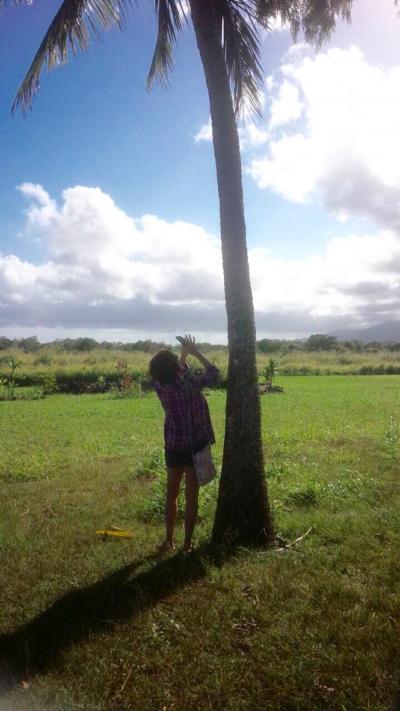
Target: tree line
x=315 y=343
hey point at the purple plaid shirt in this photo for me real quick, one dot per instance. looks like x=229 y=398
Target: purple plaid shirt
x=180 y=398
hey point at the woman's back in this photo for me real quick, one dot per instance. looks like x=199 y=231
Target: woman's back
x=187 y=418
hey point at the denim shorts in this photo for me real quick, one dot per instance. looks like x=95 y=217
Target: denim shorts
x=184 y=458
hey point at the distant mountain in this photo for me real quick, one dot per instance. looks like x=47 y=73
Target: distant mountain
x=384 y=332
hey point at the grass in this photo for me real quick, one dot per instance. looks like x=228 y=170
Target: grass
x=109 y=627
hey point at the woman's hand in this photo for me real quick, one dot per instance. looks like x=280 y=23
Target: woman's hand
x=189 y=345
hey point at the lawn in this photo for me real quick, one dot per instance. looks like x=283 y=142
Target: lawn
x=97 y=624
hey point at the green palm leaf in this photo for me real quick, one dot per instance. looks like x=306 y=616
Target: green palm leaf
x=317 y=18
x=69 y=31
x=237 y=24
x=240 y=41
x=171 y=15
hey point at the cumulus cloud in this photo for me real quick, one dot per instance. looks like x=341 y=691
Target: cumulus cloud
x=204 y=133
x=346 y=147
x=104 y=265
x=250 y=134
x=327 y=287
x=286 y=106
x=351 y=188
x=107 y=270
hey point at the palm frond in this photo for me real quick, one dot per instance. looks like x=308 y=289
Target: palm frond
x=240 y=41
x=289 y=11
x=171 y=14
x=69 y=31
x=317 y=18
x=320 y=16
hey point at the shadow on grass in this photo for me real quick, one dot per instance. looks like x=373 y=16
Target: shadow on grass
x=36 y=646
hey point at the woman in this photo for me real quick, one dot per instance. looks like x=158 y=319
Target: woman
x=187 y=429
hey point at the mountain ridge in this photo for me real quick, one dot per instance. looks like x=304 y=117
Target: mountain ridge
x=386 y=332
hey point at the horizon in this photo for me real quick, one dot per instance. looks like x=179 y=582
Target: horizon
x=338 y=336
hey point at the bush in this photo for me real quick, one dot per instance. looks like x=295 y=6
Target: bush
x=49 y=385
x=86 y=381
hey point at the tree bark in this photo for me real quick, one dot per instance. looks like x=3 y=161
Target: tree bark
x=243 y=515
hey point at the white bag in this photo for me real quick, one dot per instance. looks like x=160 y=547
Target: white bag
x=204 y=466
x=203 y=463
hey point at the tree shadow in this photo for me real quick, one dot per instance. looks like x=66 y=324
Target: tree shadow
x=36 y=646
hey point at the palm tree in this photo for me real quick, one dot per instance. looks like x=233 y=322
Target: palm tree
x=227 y=38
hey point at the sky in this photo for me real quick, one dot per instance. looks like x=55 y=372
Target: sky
x=109 y=223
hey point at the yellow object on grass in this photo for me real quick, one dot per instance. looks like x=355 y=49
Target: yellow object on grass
x=116 y=532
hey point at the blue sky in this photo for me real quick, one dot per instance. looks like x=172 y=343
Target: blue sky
x=121 y=153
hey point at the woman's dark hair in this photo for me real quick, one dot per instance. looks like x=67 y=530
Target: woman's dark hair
x=164 y=367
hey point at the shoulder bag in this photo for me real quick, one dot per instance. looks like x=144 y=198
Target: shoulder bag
x=203 y=462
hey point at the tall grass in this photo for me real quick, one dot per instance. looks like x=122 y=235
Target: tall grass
x=97 y=370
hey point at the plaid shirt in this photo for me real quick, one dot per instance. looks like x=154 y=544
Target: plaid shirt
x=187 y=418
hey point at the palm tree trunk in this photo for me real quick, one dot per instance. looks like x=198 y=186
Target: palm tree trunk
x=243 y=515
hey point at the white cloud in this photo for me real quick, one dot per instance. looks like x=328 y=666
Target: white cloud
x=349 y=134
x=97 y=250
x=106 y=270
x=42 y=209
x=293 y=179
x=286 y=106
x=250 y=133
x=204 y=133
x=327 y=285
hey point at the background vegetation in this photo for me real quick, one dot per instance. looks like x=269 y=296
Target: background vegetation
x=84 y=366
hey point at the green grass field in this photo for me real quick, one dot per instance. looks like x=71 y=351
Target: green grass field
x=108 y=627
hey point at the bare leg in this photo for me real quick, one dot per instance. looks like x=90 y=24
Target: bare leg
x=191 y=505
x=173 y=486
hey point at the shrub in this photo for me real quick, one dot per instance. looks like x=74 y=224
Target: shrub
x=49 y=385
x=271 y=370
x=127 y=385
x=8 y=382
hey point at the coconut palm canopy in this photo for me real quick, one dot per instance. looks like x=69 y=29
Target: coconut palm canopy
x=238 y=22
